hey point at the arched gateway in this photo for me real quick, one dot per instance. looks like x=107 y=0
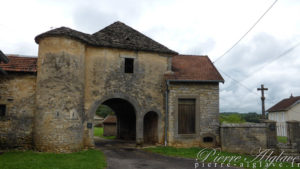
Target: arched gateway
x=158 y=95
x=128 y=113
x=126 y=118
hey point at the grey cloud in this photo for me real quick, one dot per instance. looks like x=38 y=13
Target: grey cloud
x=90 y=19
x=251 y=55
x=281 y=77
x=95 y=15
x=23 y=48
x=201 y=47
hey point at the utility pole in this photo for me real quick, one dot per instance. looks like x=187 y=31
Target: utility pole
x=263 y=101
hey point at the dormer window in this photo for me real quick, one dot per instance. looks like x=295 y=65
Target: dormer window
x=129 y=62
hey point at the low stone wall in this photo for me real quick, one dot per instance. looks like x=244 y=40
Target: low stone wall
x=248 y=137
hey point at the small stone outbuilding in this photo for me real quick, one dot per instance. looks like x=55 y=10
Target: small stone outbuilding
x=98 y=121
x=110 y=126
x=158 y=95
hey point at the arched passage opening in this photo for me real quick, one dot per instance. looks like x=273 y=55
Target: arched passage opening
x=126 y=118
x=150 y=128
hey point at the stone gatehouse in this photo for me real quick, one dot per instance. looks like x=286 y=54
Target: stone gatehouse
x=159 y=96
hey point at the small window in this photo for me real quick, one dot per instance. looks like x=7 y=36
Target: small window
x=208 y=139
x=186 y=116
x=129 y=65
x=2 y=110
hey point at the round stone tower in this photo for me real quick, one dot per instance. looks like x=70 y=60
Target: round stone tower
x=59 y=94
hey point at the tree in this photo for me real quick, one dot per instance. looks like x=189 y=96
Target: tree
x=231 y=118
x=252 y=117
x=104 y=110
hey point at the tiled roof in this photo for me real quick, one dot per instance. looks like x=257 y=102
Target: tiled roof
x=193 y=68
x=110 y=119
x=20 y=64
x=116 y=35
x=284 y=104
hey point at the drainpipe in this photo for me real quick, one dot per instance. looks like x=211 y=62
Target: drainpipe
x=167 y=112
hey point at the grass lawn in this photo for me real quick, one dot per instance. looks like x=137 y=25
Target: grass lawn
x=91 y=159
x=193 y=152
x=98 y=131
x=282 y=139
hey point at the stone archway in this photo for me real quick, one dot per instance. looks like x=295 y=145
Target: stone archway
x=110 y=100
x=151 y=127
x=126 y=118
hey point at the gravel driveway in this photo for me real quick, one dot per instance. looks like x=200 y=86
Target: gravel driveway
x=124 y=155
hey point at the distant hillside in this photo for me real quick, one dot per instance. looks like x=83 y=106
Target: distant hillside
x=235 y=117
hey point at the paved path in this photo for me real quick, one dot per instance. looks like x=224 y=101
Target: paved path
x=124 y=155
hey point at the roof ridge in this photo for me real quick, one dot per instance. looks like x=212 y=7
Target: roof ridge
x=192 y=55
x=114 y=36
x=284 y=104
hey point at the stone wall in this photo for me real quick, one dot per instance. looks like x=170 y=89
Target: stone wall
x=105 y=79
x=247 y=138
x=17 y=92
x=207 y=114
x=82 y=77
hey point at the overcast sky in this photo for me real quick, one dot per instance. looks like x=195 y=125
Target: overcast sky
x=199 y=27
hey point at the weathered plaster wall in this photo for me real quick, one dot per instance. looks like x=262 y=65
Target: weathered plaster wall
x=60 y=93
x=293 y=113
x=17 y=92
x=105 y=79
x=207 y=113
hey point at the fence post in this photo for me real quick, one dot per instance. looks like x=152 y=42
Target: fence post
x=293 y=134
x=271 y=133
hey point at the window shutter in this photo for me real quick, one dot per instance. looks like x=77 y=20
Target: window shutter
x=186 y=116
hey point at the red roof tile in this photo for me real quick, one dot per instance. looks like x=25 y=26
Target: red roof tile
x=284 y=104
x=194 y=68
x=110 y=119
x=20 y=64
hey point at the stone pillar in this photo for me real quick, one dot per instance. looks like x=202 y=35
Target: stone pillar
x=59 y=95
x=293 y=128
x=271 y=133
x=139 y=130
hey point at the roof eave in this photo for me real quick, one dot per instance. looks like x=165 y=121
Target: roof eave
x=195 y=81
x=286 y=109
x=273 y=111
x=294 y=104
